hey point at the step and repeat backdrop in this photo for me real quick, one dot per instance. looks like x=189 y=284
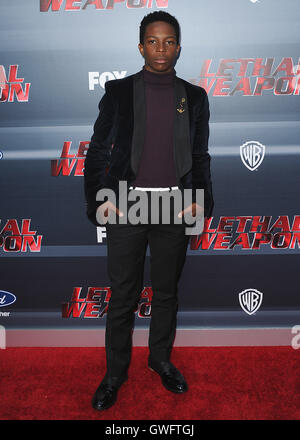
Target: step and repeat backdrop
x=56 y=55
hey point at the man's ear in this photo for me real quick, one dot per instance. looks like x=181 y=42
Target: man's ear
x=141 y=49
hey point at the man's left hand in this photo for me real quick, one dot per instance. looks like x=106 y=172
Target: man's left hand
x=194 y=209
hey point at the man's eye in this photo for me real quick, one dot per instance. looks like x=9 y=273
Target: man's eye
x=169 y=42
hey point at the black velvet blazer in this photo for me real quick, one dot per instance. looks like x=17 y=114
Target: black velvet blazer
x=116 y=146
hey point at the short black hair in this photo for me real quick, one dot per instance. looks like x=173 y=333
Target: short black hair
x=159 y=16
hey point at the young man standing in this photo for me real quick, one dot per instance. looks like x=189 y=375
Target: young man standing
x=152 y=132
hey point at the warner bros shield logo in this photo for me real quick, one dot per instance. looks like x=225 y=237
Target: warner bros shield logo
x=250 y=300
x=252 y=154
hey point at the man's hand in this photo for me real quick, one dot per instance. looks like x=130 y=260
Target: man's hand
x=104 y=211
x=194 y=210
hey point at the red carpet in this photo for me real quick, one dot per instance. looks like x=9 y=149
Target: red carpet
x=226 y=383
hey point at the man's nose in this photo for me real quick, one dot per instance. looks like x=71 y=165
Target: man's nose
x=161 y=47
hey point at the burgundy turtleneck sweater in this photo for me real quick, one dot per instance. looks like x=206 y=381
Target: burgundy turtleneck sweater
x=157 y=167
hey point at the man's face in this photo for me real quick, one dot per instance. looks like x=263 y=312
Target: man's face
x=160 y=48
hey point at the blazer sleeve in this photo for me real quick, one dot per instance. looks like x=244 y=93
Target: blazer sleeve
x=201 y=175
x=99 y=152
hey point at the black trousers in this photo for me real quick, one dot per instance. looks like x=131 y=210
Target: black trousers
x=126 y=251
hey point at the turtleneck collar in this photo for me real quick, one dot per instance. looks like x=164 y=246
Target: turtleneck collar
x=159 y=78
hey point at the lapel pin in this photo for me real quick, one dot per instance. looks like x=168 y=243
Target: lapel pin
x=181 y=108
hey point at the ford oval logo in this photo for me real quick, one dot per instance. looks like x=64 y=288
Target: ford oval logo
x=6 y=298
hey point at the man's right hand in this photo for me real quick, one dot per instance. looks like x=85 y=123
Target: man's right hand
x=104 y=211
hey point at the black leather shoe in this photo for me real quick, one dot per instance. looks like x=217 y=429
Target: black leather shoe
x=105 y=396
x=171 y=378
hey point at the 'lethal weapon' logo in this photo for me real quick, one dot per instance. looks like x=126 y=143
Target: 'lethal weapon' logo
x=69 y=162
x=252 y=154
x=15 y=239
x=249 y=232
x=250 y=77
x=95 y=304
x=250 y=300
x=71 y=5
x=11 y=87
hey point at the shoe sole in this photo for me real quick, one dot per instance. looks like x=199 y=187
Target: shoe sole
x=166 y=386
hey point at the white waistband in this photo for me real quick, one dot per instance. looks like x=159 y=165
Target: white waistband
x=141 y=188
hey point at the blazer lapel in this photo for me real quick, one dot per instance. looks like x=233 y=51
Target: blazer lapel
x=139 y=128
x=182 y=142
